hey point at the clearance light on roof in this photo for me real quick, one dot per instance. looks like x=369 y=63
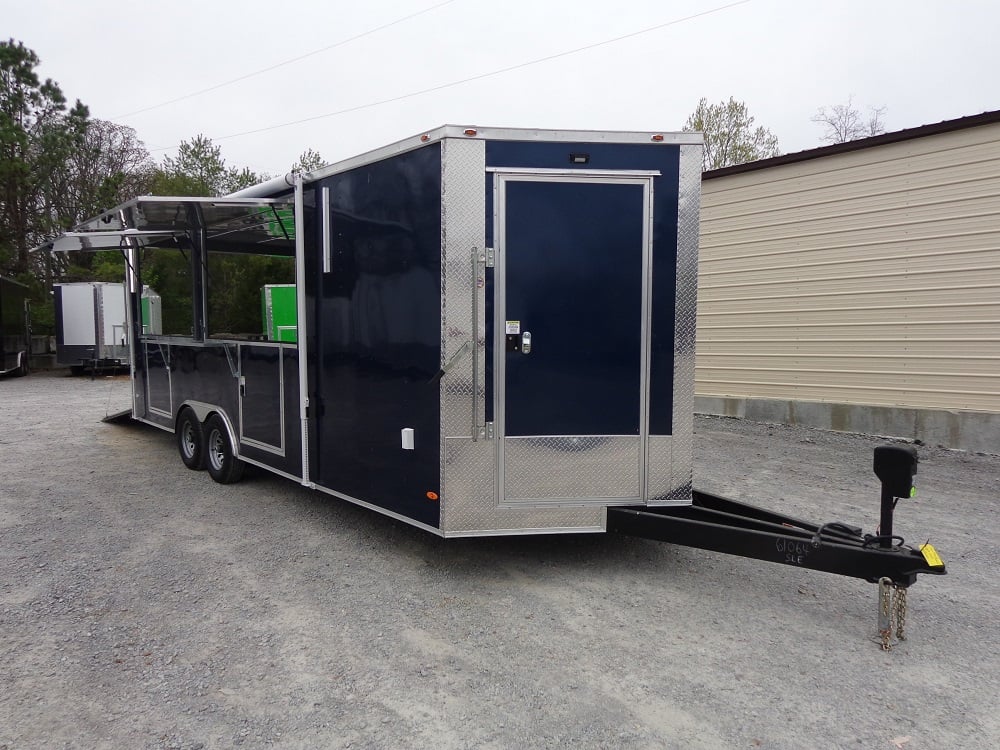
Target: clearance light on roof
x=657 y=138
x=470 y=131
x=425 y=138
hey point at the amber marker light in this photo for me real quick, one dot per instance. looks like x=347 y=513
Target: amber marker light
x=470 y=131
x=425 y=138
x=657 y=138
x=432 y=496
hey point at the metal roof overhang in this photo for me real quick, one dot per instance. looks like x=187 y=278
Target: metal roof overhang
x=260 y=226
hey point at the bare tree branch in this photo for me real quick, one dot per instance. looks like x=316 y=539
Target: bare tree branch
x=844 y=122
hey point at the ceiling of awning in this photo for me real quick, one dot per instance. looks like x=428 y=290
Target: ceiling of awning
x=239 y=225
x=94 y=241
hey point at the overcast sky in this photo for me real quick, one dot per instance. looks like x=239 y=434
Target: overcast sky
x=923 y=61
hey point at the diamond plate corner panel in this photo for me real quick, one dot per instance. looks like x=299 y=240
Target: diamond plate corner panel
x=469 y=498
x=685 y=314
x=463 y=311
x=568 y=467
x=662 y=486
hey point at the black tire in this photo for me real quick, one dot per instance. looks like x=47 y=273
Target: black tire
x=76 y=370
x=220 y=458
x=190 y=440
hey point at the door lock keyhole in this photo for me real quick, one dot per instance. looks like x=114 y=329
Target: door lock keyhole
x=519 y=342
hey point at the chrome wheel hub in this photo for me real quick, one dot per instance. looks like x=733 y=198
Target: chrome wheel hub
x=216 y=450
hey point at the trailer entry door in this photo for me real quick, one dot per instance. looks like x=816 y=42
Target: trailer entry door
x=571 y=338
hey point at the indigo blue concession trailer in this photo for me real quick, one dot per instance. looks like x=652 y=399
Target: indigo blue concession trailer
x=495 y=329
x=494 y=334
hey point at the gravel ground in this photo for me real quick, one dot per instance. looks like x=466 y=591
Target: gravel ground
x=144 y=606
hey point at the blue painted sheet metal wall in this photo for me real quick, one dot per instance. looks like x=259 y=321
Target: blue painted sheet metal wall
x=376 y=318
x=665 y=159
x=204 y=374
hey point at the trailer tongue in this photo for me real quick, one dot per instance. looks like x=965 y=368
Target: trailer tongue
x=722 y=525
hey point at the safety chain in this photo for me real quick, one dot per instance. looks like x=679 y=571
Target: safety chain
x=891 y=607
x=899 y=596
x=885 y=611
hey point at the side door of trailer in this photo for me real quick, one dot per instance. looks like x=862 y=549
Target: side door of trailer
x=571 y=337
x=262 y=397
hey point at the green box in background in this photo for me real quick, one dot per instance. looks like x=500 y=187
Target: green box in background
x=279 y=312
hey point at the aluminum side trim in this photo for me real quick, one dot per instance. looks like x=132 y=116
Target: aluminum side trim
x=570 y=502
x=457 y=133
x=575 y=172
x=303 y=332
x=377 y=509
x=325 y=212
x=541 y=531
x=154 y=424
x=150 y=339
x=251 y=443
x=271 y=469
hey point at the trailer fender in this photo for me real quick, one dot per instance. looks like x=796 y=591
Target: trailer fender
x=203 y=411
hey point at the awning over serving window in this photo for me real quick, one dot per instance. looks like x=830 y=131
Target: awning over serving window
x=239 y=225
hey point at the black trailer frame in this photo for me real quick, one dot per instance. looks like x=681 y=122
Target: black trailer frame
x=15 y=327
x=722 y=525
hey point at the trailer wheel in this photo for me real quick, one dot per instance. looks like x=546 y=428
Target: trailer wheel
x=191 y=440
x=222 y=462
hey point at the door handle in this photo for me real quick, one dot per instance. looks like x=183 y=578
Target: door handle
x=526 y=342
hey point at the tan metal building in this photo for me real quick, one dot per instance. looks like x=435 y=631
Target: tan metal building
x=857 y=287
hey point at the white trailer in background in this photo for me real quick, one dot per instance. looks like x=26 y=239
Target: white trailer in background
x=91 y=324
